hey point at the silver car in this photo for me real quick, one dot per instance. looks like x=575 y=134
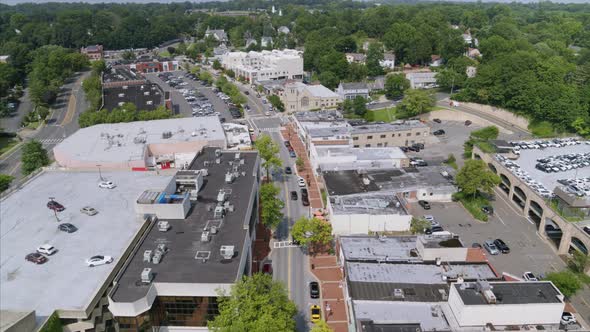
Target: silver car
x=491 y=247
x=88 y=210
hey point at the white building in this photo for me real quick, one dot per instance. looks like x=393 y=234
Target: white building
x=283 y=29
x=425 y=80
x=265 y=65
x=238 y=136
x=266 y=42
x=297 y=96
x=388 y=61
x=339 y=157
x=353 y=90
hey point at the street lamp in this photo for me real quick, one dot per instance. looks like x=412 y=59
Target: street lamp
x=99 y=172
x=51 y=199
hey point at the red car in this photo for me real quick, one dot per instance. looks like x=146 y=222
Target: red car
x=36 y=258
x=267 y=268
x=53 y=205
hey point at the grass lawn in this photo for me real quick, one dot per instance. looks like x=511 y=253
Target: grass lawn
x=385 y=115
x=541 y=129
x=474 y=205
x=33 y=125
x=6 y=143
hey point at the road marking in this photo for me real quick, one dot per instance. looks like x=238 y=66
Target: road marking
x=530 y=221
x=501 y=220
x=14 y=168
x=271 y=130
x=71 y=105
x=51 y=140
x=499 y=194
x=284 y=244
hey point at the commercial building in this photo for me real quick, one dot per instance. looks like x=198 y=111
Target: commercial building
x=237 y=136
x=401 y=133
x=140 y=145
x=265 y=65
x=557 y=202
x=65 y=284
x=341 y=158
x=353 y=90
x=93 y=52
x=122 y=85
x=173 y=277
x=422 y=80
x=297 y=97
x=155 y=66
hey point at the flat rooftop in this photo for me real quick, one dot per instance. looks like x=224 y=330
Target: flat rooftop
x=397 y=316
x=511 y=293
x=328 y=132
x=183 y=240
x=416 y=273
x=376 y=204
x=120 y=74
x=372 y=248
x=387 y=180
x=319 y=116
x=64 y=281
x=387 y=127
x=392 y=152
x=390 y=291
x=146 y=97
x=121 y=142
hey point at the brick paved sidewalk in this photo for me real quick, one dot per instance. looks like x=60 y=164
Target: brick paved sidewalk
x=328 y=272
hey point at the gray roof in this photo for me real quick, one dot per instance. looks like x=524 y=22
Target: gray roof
x=400 y=316
x=371 y=248
x=321 y=91
x=317 y=116
x=145 y=97
x=428 y=77
x=369 y=204
x=354 y=86
x=328 y=132
x=388 y=127
x=385 y=291
x=372 y=154
x=65 y=282
x=511 y=293
x=179 y=264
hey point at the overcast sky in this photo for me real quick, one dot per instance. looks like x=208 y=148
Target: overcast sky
x=13 y=2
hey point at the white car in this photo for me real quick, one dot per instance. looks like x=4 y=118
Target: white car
x=89 y=210
x=431 y=220
x=301 y=182
x=99 y=260
x=106 y=184
x=567 y=318
x=47 y=249
x=529 y=276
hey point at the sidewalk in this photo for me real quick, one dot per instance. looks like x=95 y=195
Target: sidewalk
x=329 y=274
x=315 y=198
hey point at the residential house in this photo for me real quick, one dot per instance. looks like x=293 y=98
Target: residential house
x=297 y=96
x=467 y=37
x=219 y=35
x=353 y=90
x=266 y=42
x=283 y=29
x=473 y=53
x=4 y=58
x=250 y=41
x=388 y=61
x=356 y=58
x=435 y=60
x=93 y=52
x=422 y=80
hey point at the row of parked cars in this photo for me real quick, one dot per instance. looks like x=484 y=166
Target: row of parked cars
x=578 y=186
x=542 y=144
x=525 y=176
x=564 y=162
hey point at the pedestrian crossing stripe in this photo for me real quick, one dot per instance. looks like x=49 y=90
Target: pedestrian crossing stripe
x=51 y=140
x=284 y=244
x=270 y=130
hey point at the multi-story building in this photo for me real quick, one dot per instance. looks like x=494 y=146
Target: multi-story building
x=155 y=66
x=174 y=275
x=265 y=65
x=218 y=35
x=297 y=97
x=422 y=80
x=93 y=52
x=404 y=133
x=353 y=90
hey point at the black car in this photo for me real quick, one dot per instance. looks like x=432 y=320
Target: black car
x=418 y=145
x=304 y=192
x=587 y=229
x=287 y=144
x=487 y=209
x=246 y=93
x=503 y=247
x=439 y=132
x=314 y=290
x=404 y=148
x=424 y=204
x=413 y=148
x=53 y=205
x=288 y=170
x=67 y=227
x=468 y=122
x=294 y=195
x=433 y=229
x=436 y=120
x=305 y=200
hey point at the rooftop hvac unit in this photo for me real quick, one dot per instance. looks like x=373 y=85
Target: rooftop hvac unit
x=218 y=153
x=146 y=275
x=218 y=161
x=205 y=237
x=146 y=93
x=219 y=212
x=125 y=87
x=121 y=95
x=221 y=196
x=227 y=252
x=206 y=163
x=204 y=171
x=157 y=257
x=237 y=156
x=162 y=247
x=229 y=177
x=398 y=293
x=163 y=226
x=147 y=256
x=489 y=296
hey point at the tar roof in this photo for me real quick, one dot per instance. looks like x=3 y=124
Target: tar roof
x=65 y=282
x=511 y=293
x=386 y=180
x=388 y=316
x=377 y=204
x=179 y=264
x=315 y=116
x=429 y=273
x=388 y=127
x=362 y=153
x=365 y=248
x=380 y=291
x=144 y=97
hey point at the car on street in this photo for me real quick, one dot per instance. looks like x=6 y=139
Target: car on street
x=587 y=229
x=436 y=120
x=433 y=229
x=468 y=122
x=439 y=132
x=287 y=144
x=294 y=195
x=106 y=185
x=292 y=154
x=55 y=206
x=99 y=260
x=487 y=209
x=424 y=204
x=288 y=170
x=431 y=220
x=305 y=200
x=529 y=276
x=47 y=249
x=36 y=258
x=491 y=247
x=418 y=145
x=67 y=227
x=502 y=246
x=301 y=182
x=88 y=210
x=567 y=318
x=314 y=290
x=246 y=93
x=315 y=313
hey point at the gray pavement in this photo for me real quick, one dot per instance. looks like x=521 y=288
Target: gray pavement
x=13 y=122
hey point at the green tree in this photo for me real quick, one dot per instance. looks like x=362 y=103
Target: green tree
x=415 y=102
x=269 y=152
x=33 y=157
x=299 y=163
x=566 y=281
x=577 y=263
x=321 y=326
x=270 y=205
x=486 y=133
x=418 y=225
x=256 y=304
x=357 y=72
x=312 y=232
x=53 y=324
x=128 y=55
x=345 y=44
x=216 y=65
x=359 y=105
x=328 y=79
x=206 y=77
x=5 y=181
x=375 y=54
x=475 y=177
x=396 y=85
x=276 y=103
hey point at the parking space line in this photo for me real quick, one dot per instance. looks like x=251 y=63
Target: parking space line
x=501 y=220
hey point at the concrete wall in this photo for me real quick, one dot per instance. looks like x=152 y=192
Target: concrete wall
x=351 y=224
x=456 y=115
x=12 y=321
x=445 y=254
x=517 y=120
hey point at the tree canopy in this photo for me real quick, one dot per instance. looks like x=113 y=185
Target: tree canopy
x=312 y=232
x=475 y=177
x=269 y=152
x=396 y=85
x=270 y=205
x=34 y=156
x=415 y=102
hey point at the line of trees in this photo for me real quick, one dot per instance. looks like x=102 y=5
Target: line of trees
x=126 y=113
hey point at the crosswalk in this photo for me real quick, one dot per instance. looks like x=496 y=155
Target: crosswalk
x=284 y=244
x=270 y=130
x=50 y=141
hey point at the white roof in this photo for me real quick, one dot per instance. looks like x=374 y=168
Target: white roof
x=321 y=91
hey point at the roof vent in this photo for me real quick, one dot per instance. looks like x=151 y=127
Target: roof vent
x=398 y=293
x=229 y=177
x=146 y=275
x=489 y=296
x=163 y=226
x=237 y=156
x=205 y=237
x=218 y=153
x=218 y=161
x=203 y=255
x=221 y=196
x=147 y=256
x=219 y=212
x=213 y=229
x=227 y=252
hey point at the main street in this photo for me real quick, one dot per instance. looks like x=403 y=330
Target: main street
x=61 y=122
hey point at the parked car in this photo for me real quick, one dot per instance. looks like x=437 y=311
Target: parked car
x=491 y=247
x=418 y=145
x=487 y=209
x=67 y=227
x=439 y=132
x=294 y=195
x=567 y=318
x=436 y=120
x=288 y=170
x=267 y=268
x=36 y=258
x=314 y=290
x=305 y=200
x=304 y=192
x=424 y=204
x=287 y=144
x=468 y=122
x=587 y=229
x=301 y=182
x=47 y=249
x=106 y=185
x=315 y=313
x=99 y=260
x=246 y=93
x=502 y=246
x=292 y=154
x=529 y=276
x=431 y=220
x=89 y=210
x=53 y=205
x=433 y=229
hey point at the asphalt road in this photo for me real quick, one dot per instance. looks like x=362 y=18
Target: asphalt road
x=61 y=122
x=13 y=122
